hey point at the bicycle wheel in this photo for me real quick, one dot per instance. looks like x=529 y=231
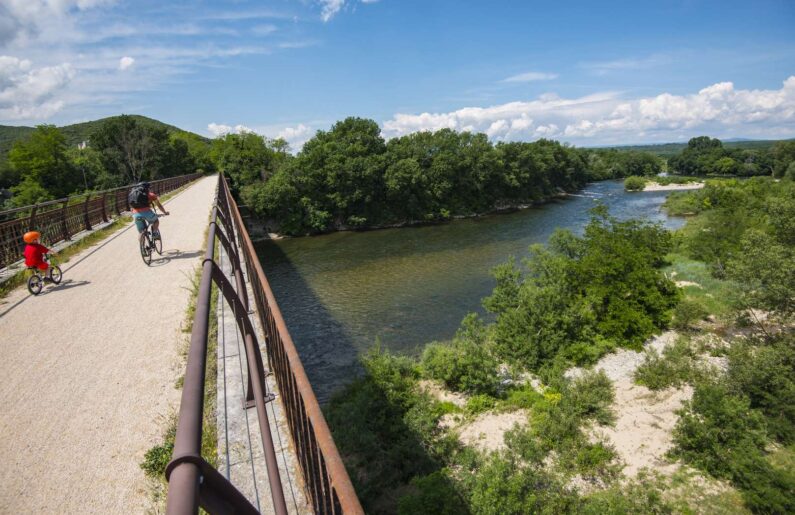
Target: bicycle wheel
x=35 y=283
x=158 y=243
x=56 y=274
x=146 y=248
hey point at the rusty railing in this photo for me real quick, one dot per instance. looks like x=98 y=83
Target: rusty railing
x=59 y=220
x=192 y=481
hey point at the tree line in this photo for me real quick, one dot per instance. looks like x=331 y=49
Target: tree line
x=707 y=156
x=351 y=177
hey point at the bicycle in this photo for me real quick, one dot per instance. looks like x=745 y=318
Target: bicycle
x=150 y=242
x=37 y=280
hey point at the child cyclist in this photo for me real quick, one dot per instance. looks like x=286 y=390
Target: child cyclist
x=34 y=253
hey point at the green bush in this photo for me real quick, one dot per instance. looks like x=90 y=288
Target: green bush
x=721 y=434
x=634 y=183
x=766 y=374
x=503 y=486
x=636 y=497
x=466 y=363
x=677 y=365
x=480 y=403
x=432 y=494
x=687 y=313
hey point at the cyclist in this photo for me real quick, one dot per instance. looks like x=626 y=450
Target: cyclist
x=141 y=202
x=34 y=253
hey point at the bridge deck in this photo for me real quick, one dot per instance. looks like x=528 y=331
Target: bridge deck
x=88 y=369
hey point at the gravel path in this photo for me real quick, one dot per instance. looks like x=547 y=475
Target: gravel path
x=88 y=369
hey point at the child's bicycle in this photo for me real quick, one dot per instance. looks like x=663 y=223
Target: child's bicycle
x=151 y=242
x=37 y=279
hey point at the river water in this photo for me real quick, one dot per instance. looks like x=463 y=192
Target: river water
x=341 y=293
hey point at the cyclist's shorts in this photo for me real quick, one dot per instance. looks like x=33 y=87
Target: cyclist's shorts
x=42 y=266
x=142 y=218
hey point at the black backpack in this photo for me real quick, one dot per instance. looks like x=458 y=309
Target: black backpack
x=138 y=197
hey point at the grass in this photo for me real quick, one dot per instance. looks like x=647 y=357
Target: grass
x=158 y=456
x=715 y=295
x=690 y=492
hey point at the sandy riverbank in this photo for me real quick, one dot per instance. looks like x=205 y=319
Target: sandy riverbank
x=653 y=186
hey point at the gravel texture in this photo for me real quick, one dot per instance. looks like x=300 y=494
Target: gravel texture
x=89 y=367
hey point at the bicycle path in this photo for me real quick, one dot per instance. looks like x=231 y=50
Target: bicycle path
x=88 y=369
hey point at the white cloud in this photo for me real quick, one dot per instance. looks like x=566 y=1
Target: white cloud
x=330 y=8
x=27 y=92
x=604 y=67
x=126 y=62
x=531 y=76
x=27 y=18
x=296 y=136
x=219 y=129
x=719 y=109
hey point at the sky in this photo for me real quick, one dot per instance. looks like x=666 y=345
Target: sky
x=586 y=73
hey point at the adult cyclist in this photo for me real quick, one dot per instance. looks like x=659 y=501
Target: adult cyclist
x=141 y=202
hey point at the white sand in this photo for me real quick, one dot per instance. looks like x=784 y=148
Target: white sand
x=88 y=369
x=487 y=431
x=653 y=186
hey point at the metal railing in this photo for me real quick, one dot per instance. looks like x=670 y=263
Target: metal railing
x=59 y=220
x=192 y=481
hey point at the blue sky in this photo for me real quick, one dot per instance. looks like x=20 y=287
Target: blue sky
x=582 y=72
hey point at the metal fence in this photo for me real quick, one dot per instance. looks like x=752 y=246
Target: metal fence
x=192 y=481
x=59 y=220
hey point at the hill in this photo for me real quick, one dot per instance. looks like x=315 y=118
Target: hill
x=78 y=132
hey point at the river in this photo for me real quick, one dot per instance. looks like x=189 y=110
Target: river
x=340 y=293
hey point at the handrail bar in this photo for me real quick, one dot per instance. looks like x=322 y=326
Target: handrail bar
x=192 y=481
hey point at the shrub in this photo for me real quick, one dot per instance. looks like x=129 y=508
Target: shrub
x=465 y=364
x=688 y=312
x=677 y=365
x=634 y=183
x=503 y=486
x=766 y=374
x=432 y=494
x=480 y=403
x=721 y=434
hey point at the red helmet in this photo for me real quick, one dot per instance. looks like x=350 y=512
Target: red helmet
x=31 y=236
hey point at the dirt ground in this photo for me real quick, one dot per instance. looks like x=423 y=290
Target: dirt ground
x=88 y=369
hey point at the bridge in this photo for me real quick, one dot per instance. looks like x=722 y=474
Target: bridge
x=90 y=367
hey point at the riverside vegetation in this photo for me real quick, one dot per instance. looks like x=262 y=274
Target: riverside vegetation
x=570 y=303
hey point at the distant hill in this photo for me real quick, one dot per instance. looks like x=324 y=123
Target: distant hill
x=671 y=149
x=77 y=132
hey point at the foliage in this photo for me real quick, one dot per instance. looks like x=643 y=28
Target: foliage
x=677 y=365
x=634 y=183
x=505 y=486
x=704 y=156
x=766 y=270
x=688 y=312
x=465 y=364
x=765 y=373
x=350 y=176
x=247 y=157
x=581 y=295
x=612 y=164
x=41 y=163
x=721 y=434
x=432 y=494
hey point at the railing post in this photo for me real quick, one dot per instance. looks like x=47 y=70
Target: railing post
x=85 y=213
x=104 y=211
x=64 y=224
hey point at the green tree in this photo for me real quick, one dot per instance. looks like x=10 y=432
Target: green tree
x=245 y=158
x=131 y=150
x=42 y=164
